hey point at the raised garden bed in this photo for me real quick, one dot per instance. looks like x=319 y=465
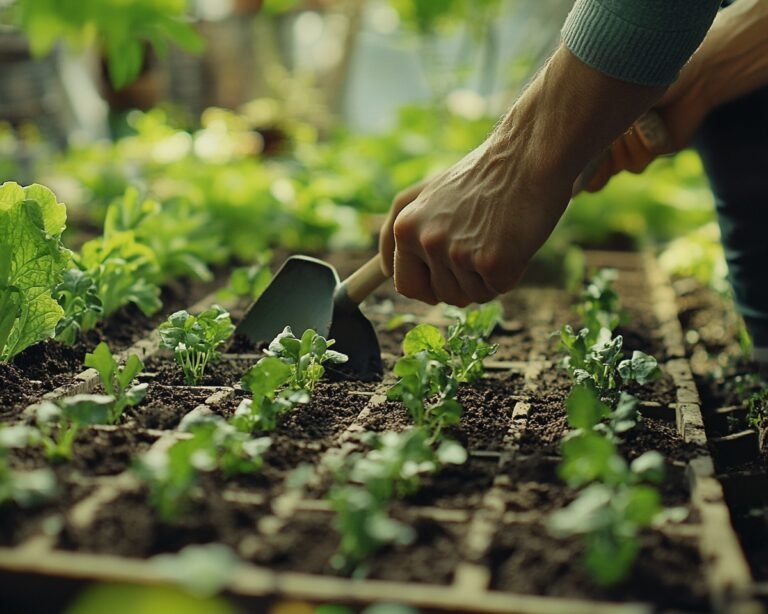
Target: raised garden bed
x=739 y=450
x=481 y=545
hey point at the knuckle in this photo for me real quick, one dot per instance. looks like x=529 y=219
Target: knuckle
x=433 y=241
x=487 y=264
x=404 y=228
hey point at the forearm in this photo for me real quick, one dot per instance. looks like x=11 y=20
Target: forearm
x=568 y=116
x=733 y=59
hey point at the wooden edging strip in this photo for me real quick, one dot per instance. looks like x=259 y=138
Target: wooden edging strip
x=727 y=572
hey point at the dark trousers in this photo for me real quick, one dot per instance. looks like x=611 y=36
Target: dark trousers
x=733 y=144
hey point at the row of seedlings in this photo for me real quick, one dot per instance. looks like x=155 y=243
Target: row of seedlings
x=430 y=372
x=616 y=499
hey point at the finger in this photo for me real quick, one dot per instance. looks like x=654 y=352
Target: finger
x=473 y=286
x=638 y=155
x=601 y=176
x=386 y=234
x=445 y=287
x=619 y=156
x=412 y=277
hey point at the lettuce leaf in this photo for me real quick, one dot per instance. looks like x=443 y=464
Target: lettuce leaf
x=32 y=261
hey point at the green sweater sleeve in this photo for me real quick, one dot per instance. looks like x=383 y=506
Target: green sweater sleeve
x=640 y=41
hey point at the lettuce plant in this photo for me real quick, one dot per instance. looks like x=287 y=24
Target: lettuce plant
x=194 y=339
x=32 y=262
x=124 y=271
x=60 y=423
x=25 y=488
x=264 y=380
x=117 y=381
x=304 y=356
x=178 y=234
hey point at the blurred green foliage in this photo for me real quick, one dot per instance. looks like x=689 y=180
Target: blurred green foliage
x=130 y=599
x=121 y=29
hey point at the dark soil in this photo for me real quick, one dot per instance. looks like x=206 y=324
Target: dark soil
x=524 y=558
x=221 y=373
x=547 y=425
x=165 y=406
x=48 y=365
x=95 y=452
x=667 y=571
x=431 y=558
x=533 y=484
x=488 y=406
x=457 y=487
x=130 y=527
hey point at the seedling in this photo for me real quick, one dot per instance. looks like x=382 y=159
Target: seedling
x=194 y=339
x=116 y=380
x=123 y=270
x=262 y=411
x=172 y=473
x=601 y=364
x=393 y=468
x=60 y=422
x=304 y=356
x=600 y=303
x=25 y=488
x=78 y=296
x=610 y=516
x=365 y=526
x=467 y=340
x=757 y=409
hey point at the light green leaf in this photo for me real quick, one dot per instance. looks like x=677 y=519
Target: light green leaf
x=423 y=337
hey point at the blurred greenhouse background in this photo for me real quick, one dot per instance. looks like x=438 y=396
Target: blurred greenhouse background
x=294 y=123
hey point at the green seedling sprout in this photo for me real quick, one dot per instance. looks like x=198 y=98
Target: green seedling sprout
x=267 y=403
x=194 y=339
x=117 y=381
x=61 y=422
x=24 y=488
x=393 y=468
x=172 y=473
x=305 y=356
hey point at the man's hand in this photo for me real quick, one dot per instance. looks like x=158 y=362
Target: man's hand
x=467 y=235
x=460 y=239
x=732 y=61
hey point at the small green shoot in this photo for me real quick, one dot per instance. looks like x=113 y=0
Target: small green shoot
x=61 y=422
x=116 y=380
x=25 y=488
x=172 y=473
x=611 y=514
x=194 y=339
x=304 y=356
x=394 y=467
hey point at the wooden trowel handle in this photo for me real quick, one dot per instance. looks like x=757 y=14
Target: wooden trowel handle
x=365 y=280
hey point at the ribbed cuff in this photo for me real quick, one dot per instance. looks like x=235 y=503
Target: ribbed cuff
x=637 y=53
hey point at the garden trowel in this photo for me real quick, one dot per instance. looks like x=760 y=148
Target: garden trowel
x=307 y=293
